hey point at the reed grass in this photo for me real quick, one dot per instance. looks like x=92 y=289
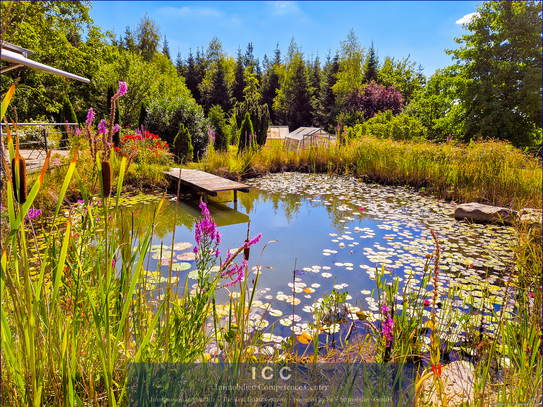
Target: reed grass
x=491 y=172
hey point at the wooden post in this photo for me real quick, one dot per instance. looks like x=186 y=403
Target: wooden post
x=235 y=195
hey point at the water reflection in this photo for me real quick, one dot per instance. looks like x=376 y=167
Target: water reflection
x=335 y=231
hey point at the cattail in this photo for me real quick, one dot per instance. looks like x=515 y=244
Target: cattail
x=106 y=177
x=20 y=195
x=246 y=250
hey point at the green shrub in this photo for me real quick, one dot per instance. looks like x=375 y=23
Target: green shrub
x=246 y=133
x=166 y=113
x=260 y=118
x=386 y=125
x=182 y=144
x=67 y=114
x=218 y=122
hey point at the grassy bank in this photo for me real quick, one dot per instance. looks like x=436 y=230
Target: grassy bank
x=495 y=173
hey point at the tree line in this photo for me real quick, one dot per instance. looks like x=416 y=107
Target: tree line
x=491 y=90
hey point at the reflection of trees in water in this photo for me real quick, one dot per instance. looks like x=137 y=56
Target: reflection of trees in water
x=186 y=216
x=287 y=203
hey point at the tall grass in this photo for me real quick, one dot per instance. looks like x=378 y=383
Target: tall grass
x=490 y=172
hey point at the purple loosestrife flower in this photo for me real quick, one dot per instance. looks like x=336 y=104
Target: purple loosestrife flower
x=102 y=127
x=90 y=116
x=116 y=128
x=388 y=324
x=77 y=132
x=122 y=88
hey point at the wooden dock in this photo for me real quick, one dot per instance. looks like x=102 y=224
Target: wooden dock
x=207 y=184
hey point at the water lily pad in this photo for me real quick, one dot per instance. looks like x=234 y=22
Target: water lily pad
x=275 y=313
x=182 y=246
x=286 y=322
x=181 y=266
x=187 y=256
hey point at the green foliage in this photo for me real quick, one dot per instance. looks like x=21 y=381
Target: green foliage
x=148 y=36
x=371 y=67
x=165 y=112
x=328 y=105
x=67 y=114
x=246 y=133
x=182 y=145
x=270 y=85
x=259 y=117
x=403 y=75
x=502 y=58
x=217 y=120
x=293 y=101
x=350 y=74
x=53 y=30
x=438 y=105
x=386 y=125
x=215 y=89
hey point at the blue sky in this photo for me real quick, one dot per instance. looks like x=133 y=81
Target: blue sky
x=419 y=29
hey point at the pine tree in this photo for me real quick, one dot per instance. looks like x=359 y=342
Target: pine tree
x=328 y=106
x=315 y=87
x=182 y=145
x=180 y=65
x=372 y=66
x=218 y=122
x=270 y=84
x=237 y=91
x=246 y=133
x=219 y=93
x=166 y=48
x=129 y=41
x=192 y=79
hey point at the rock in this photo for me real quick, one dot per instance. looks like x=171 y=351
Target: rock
x=458 y=380
x=477 y=212
x=530 y=216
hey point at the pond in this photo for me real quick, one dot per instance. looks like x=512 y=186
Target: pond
x=333 y=233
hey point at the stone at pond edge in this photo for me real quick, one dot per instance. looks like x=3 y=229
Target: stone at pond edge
x=530 y=216
x=484 y=213
x=458 y=381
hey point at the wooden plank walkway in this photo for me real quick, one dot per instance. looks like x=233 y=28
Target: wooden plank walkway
x=206 y=183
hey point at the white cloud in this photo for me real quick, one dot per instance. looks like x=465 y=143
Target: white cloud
x=467 y=18
x=190 y=12
x=281 y=8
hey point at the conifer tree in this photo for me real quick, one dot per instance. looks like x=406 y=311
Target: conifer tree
x=218 y=122
x=328 y=106
x=67 y=114
x=182 y=145
x=270 y=84
x=372 y=66
x=246 y=133
x=166 y=48
x=193 y=79
x=237 y=91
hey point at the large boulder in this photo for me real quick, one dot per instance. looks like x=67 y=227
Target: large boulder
x=477 y=212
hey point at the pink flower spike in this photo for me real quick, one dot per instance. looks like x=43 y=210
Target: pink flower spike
x=426 y=303
x=102 y=127
x=531 y=295
x=361 y=209
x=122 y=88
x=90 y=116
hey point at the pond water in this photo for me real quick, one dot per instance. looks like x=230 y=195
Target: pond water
x=333 y=232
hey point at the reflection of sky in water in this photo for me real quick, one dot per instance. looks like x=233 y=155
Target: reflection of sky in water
x=302 y=211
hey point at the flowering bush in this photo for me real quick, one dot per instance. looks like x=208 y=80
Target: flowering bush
x=145 y=147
